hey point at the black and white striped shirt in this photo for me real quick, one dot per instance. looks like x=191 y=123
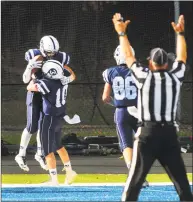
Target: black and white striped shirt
x=158 y=92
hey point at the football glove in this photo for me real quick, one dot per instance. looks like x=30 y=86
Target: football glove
x=74 y=120
x=65 y=80
x=34 y=64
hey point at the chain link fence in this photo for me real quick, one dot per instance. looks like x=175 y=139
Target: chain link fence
x=85 y=31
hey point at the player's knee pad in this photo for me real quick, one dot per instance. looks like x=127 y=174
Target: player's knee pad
x=127 y=146
x=32 y=128
x=125 y=134
x=47 y=151
x=33 y=116
x=32 y=120
x=58 y=147
x=120 y=147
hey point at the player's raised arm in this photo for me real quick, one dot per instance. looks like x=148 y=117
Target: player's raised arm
x=31 y=65
x=72 y=76
x=68 y=77
x=120 y=27
x=181 y=50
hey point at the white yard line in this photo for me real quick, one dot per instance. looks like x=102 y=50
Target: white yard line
x=83 y=184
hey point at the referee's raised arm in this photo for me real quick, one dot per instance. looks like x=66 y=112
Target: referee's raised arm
x=181 y=50
x=178 y=68
x=139 y=73
x=158 y=94
x=120 y=27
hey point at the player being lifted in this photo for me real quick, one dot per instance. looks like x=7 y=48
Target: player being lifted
x=54 y=107
x=118 y=79
x=49 y=48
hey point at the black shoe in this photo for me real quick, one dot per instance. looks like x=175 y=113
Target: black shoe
x=145 y=184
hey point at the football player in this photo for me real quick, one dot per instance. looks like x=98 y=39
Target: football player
x=118 y=80
x=54 y=95
x=49 y=48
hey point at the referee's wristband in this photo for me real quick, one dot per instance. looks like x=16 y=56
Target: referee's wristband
x=181 y=33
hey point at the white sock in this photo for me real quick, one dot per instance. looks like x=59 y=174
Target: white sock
x=25 y=138
x=53 y=175
x=129 y=165
x=39 y=147
x=68 y=166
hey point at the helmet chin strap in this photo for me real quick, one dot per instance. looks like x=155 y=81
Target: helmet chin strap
x=42 y=53
x=45 y=74
x=51 y=56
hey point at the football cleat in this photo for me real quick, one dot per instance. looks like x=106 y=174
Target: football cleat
x=70 y=177
x=145 y=184
x=50 y=183
x=42 y=161
x=21 y=161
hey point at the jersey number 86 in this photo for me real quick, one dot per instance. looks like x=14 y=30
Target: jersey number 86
x=124 y=88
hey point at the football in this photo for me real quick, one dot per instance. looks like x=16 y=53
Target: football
x=37 y=58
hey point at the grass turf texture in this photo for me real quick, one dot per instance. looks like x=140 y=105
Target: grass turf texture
x=81 y=178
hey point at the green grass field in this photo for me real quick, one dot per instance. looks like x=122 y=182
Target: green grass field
x=81 y=178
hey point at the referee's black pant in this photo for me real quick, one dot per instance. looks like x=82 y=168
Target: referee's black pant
x=156 y=141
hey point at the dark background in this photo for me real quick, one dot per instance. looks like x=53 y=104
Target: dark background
x=85 y=31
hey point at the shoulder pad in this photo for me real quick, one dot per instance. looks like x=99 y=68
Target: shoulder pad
x=107 y=74
x=31 y=53
x=65 y=58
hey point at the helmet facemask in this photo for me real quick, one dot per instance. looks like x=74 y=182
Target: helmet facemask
x=49 y=46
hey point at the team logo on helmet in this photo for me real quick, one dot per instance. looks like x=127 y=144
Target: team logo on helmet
x=52 y=72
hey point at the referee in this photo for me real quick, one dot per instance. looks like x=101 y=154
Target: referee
x=158 y=93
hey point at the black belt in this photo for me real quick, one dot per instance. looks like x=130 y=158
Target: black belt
x=156 y=123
